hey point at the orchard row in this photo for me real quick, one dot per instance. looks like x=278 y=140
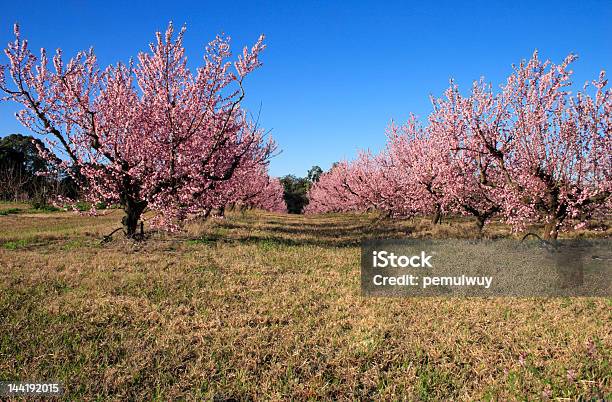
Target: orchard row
x=530 y=152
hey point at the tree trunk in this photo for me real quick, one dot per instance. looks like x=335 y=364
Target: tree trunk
x=551 y=230
x=133 y=210
x=480 y=223
x=437 y=216
x=207 y=212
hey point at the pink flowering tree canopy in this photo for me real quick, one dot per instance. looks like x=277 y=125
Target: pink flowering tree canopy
x=150 y=134
x=531 y=152
x=552 y=150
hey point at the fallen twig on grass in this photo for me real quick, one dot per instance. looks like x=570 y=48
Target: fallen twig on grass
x=109 y=236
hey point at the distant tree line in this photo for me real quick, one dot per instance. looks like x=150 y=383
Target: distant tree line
x=26 y=176
x=296 y=189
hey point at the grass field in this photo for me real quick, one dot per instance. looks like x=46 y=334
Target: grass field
x=264 y=306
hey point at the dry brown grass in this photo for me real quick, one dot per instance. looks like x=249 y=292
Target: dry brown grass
x=263 y=306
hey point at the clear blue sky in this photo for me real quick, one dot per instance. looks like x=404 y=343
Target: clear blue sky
x=335 y=72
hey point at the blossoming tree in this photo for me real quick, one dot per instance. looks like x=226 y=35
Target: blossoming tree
x=419 y=160
x=552 y=149
x=471 y=182
x=250 y=187
x=147 y=134
x=332 y=194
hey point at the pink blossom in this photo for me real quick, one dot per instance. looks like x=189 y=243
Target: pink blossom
x=150 y=134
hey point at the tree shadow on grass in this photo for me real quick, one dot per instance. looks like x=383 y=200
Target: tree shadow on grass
x=333 y=231
x=341 y=233
x=275 y=241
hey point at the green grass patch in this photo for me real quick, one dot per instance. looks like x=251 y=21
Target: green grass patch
x=268 y=245
x=72 y=244
x=17 y=244
x=10 y=211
